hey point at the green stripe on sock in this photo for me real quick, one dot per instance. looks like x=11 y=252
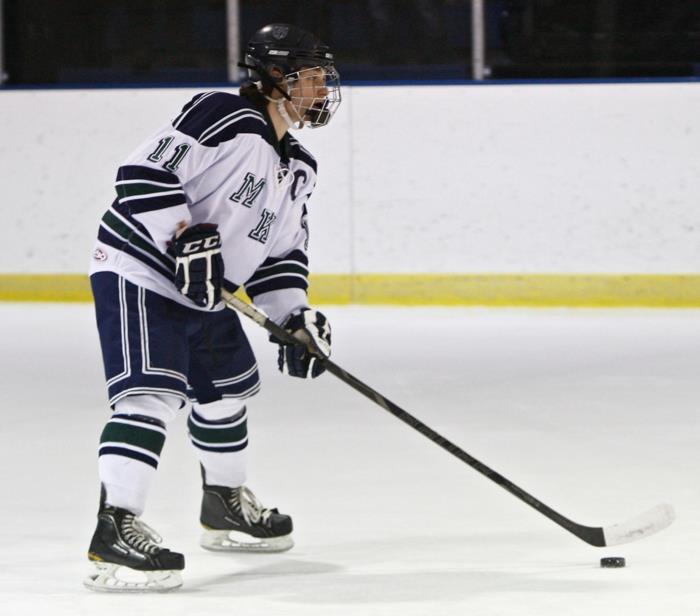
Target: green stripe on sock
x=116 y=432
x=218 y=435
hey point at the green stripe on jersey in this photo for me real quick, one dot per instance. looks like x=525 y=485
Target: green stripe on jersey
x=129 y=235
x=143 y=188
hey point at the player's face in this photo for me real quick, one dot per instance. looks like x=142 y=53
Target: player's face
x=308 y=88
x=315 y=94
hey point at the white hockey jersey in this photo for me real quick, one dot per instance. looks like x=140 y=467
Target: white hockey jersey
x=218 y=162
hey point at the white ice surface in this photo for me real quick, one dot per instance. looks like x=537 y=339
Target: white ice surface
x=593 y=412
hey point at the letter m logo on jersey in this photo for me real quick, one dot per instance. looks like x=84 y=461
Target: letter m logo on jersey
x=249 y=190
x=262 y=231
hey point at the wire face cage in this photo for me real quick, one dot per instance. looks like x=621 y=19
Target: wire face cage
x=304 y=87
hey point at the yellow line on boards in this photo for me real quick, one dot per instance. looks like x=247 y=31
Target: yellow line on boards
x=537 y=290
x=45 y=288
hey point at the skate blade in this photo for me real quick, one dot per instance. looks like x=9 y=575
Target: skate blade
x=235 y=541
x=108 y=577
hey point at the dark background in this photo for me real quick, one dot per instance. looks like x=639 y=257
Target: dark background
x=184 y=41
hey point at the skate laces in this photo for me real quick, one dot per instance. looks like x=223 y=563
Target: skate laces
x=252 y=510
x=140 y=535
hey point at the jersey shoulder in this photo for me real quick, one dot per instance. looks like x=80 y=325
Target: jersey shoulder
x=214 y=117
x=299 y=152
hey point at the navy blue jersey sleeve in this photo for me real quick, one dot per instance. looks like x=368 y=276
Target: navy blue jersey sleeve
x=277 y=273
x=212 y=118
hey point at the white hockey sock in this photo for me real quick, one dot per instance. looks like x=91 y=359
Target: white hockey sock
x=130 y=447
x=219 y=434
x=127 y=482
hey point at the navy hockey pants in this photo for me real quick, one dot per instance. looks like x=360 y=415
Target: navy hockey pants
x=151 y=344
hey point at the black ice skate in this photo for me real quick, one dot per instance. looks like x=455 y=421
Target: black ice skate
x=126 y=558
x=235 y=521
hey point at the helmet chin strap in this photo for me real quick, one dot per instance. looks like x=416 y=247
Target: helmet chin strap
x=282 y=109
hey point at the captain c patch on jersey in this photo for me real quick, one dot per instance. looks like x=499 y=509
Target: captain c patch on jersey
x=262 y=230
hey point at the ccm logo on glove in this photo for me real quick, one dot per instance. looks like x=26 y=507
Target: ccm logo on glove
x=208 y=243
x=199 y=267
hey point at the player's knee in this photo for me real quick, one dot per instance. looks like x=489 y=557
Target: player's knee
x=163 y=407
x=227 y=408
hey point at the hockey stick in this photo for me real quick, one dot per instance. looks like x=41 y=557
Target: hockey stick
x=641 y=526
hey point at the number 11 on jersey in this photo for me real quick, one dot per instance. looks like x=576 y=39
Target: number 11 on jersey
x=163 y=146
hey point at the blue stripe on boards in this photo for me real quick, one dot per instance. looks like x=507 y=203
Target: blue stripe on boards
x=364 y=83
x=151 y=85
x=374 y=83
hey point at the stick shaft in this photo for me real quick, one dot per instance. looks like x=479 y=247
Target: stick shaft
x=591 y=535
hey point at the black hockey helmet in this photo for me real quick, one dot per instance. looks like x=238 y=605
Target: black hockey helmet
x=278 y=55
x=285 y=46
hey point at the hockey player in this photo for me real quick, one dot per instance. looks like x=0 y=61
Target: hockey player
x=216 y=199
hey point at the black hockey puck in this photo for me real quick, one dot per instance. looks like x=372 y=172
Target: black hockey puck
x=612 y=562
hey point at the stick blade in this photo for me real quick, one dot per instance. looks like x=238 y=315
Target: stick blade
x=642 y=526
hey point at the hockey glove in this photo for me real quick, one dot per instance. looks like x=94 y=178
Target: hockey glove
x=313 y=330
x=199 y=267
